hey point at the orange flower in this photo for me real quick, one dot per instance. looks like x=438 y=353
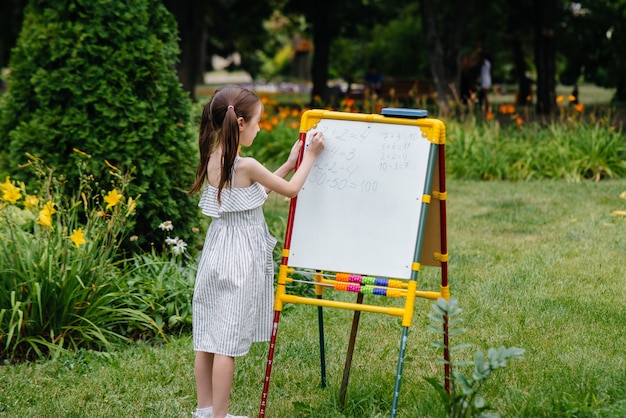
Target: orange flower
x=560 y=99
x=283 y=112
x=579 y=107
x=519 y=120
x=489 y=115
x=506 y=109
x=266 y=125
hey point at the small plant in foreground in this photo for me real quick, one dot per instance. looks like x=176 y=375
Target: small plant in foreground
x=463 y=398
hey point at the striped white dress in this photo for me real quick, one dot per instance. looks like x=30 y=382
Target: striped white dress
x=234 y=291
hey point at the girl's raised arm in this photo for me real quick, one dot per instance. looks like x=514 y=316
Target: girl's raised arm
x=275 y=181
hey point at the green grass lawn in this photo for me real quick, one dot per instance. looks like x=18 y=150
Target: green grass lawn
x=537 y=265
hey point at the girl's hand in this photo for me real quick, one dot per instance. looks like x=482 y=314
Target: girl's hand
x=316 y=145
x=294 y=154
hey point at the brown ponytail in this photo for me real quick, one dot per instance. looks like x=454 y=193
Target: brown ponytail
x=219 y=126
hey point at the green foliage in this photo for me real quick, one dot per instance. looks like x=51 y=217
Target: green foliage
x=163 y=282
x=397 y=47
x=593 y=33
x=100 y=77
x=59 y=266
x=464 y=399
x=568 y=151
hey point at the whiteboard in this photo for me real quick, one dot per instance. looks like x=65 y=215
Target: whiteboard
x=359 y=209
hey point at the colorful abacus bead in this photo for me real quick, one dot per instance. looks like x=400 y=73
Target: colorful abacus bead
x=342 y=277
x=355 y=278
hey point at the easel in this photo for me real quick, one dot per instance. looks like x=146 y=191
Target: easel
x=430 y=249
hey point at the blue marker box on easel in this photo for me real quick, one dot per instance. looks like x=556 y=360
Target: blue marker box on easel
x=404 y=112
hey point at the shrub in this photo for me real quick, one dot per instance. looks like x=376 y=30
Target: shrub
x=100 y=77
x=59 y=266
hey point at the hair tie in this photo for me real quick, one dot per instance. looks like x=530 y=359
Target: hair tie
x=230 y=107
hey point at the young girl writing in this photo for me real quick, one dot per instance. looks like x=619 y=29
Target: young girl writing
x=233 y=294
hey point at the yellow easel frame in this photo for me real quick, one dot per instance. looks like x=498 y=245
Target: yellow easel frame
x=431 y=241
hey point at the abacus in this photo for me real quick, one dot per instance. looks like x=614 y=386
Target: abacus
x=394 y=132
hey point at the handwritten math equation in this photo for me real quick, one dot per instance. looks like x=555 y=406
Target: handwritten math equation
x=360 y=160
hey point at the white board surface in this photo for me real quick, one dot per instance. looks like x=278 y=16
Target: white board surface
x=360 y=206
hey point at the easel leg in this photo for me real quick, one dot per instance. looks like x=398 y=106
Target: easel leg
x=396 y=388
x=270 y=360
x=348 y=365
x=320 y=320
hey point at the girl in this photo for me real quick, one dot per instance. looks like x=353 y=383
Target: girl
x=233 y=294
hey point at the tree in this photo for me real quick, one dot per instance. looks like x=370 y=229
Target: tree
x=221 y=27
x=100 y=78
x=519 y=22
x=444 y=52
x=237 y=27
x=331 y=20
x=594 y=35
x=545 y=14
x=190 y=16
x=394 y=44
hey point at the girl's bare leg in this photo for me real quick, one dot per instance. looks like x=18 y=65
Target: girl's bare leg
x=203 y=369
x=223 y=370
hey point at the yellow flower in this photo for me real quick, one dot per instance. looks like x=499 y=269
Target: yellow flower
x=45 y=215
x=30 y=202
x=10 y=193
x=49 y=207
x=560 y=99
x=113 y=198
x=132 y=205
x=78 y=237
x=45 y=218
x=7 y=183
x=76 y=150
